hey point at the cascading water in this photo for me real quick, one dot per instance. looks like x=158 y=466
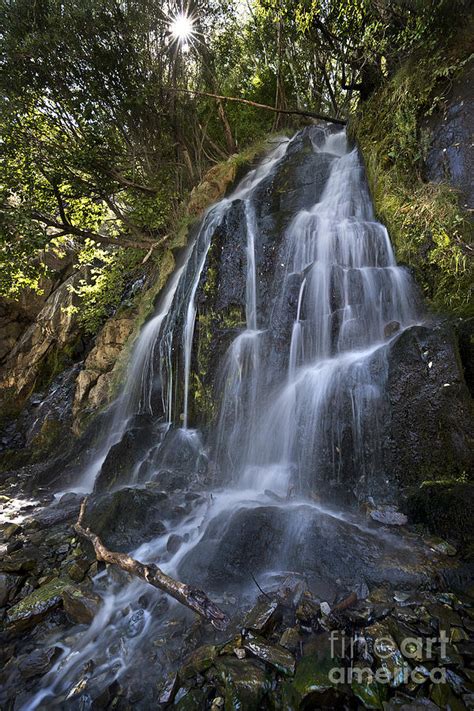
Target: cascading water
x=301 y=393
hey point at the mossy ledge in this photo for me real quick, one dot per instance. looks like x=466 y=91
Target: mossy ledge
x=430 y=231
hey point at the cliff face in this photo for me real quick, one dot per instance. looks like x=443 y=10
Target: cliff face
x=450 y=155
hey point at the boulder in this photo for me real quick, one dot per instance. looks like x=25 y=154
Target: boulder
x=35 y=606
x=80 y=604
x=128 y=517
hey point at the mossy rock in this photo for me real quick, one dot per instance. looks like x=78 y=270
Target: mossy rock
x=444 y=507
x=35 y=606
x=244 y=683
x=429 y=228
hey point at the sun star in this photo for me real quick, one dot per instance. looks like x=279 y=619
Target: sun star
x=181 y=27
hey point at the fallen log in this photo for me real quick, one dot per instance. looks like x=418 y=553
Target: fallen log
x=191 y=597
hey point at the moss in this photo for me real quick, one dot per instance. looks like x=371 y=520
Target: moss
x=429 y=230
x=57 y=358
x=46 y=439
x=204 y=395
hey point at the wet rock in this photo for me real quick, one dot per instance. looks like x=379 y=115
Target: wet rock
x=311 y=683
x=35 y=606
x=77 y=571
x=391 y=329
x=429 y=409
x=9 y=584
x=450 y=156
x=445 y=616
x=308 y=611
x=169 y=689
x=123 y=457
x=128 y=517
x=7 y=530
x=174 y=543
x=37 y=663
x=387 y=654
x=199 y=661
x=389 y=516
x=65 y=510
x=443 y=696
x=190 y=700
x=371 y=694
x=80 y=605
x=243 y=683
x=24 y=560
x=277 y=657
x=263 y=616
x=291 y=639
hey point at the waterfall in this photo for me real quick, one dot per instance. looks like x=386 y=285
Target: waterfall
x=301 y=391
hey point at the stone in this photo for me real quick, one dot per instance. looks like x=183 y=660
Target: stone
x=389 y=516
x=243 y=683
x=387 y=654
x=80 y=604
x=173 y=543
x=312 y=676
x=308 y=611
x=35 y=606
x=9 y=584
x=391 y=329
x=77 y=571
x=371 y=694
x=263 y=616
x=169 y=689
x=445 y=616
x=437 y=544
x=9 y=529
x=198 y=661
x=291 y=639
x=128 y=517
x=274 y=655
x=24 y=560
x=429 y=411
x=37 y=663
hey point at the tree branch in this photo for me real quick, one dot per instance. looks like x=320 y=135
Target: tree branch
x=299 y=112
x=67 y=228
x=195 y=599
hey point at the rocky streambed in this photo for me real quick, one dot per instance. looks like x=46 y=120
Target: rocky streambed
x=401 y=638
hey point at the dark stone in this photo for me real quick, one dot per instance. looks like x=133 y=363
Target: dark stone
x=23 y=560
x=451 y=155
x=322 y=546
x=444 y=507
x=391 y=329
x=128 y=517
x=80 y=604
x=174 y=543
x=429 y=431
x=124 y=456
x=263 y=616
x=35 y=606
x=9 y=584
x=37 y=663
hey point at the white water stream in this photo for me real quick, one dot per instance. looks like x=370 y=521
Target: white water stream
x=272 y=444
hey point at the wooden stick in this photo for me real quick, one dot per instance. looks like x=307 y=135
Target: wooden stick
x=193 y=598
x=299 y=112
